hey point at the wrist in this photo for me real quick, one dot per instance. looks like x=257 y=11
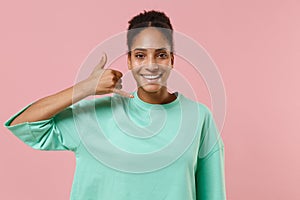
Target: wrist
x=83 y=89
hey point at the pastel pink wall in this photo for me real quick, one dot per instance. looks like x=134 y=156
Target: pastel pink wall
x=255 y=44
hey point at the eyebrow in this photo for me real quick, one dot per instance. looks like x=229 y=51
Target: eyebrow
x=144 y=49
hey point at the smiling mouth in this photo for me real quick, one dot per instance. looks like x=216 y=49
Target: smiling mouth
x=151 y=77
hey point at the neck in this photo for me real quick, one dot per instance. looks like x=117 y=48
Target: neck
x=160 y=97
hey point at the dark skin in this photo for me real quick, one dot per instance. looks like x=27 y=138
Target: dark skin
x=104 y=81
x=151 y=62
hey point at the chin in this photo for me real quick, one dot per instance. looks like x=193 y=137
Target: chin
x=151 y=88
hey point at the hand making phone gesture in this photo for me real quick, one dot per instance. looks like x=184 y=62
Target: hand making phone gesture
x=101 y=81
x=104 y=81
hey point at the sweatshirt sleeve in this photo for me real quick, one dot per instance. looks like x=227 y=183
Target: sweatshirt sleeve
x=210 y=177
x=56 y=133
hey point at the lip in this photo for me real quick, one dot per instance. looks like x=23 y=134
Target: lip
x=151 y=76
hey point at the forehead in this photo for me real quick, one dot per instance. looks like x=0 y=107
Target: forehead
x=150 y=49
x=150 y=38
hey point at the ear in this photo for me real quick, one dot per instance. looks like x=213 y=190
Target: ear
x=129 y=61
x=172 y=59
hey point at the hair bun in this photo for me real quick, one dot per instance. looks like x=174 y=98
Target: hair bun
x=150 y=18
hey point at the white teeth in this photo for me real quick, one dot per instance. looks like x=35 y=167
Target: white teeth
x=151 y=76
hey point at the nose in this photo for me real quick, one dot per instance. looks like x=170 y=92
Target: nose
x=151 y=63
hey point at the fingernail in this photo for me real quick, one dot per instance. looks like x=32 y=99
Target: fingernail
x=102 y=55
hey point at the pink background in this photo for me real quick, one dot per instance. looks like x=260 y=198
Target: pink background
x=255 y=44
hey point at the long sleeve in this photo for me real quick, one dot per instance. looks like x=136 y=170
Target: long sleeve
x=210 y=177
x=56 y=133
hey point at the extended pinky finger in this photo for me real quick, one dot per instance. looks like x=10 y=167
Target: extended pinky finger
x=122 y=93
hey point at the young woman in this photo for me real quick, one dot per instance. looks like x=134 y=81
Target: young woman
x=167 y=146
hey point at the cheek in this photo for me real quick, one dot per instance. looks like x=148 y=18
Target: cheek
x=167 y=69
x=166 y=75
x=138 y=63
x=134 y=61
x=136 y=71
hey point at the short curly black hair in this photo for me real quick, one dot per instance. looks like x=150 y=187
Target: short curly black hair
x=147 y=19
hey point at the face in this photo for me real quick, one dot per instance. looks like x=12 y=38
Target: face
x=150 y=60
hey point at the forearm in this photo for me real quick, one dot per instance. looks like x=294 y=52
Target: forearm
x=101 y=81
x=49 y=106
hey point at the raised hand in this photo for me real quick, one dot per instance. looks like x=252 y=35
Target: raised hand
x=105 y=81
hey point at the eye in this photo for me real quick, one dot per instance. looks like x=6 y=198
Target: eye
x=139 y=55
x=163 y=55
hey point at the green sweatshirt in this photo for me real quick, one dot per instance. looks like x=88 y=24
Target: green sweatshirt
x=128 y=149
